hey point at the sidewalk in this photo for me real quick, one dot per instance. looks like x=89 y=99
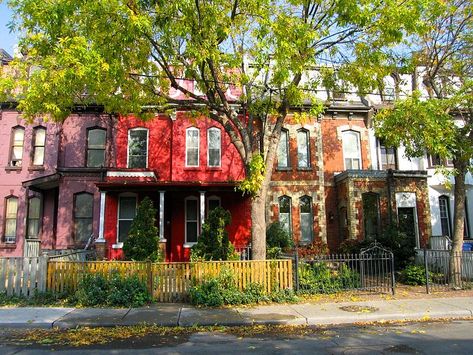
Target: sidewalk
x=185 y=315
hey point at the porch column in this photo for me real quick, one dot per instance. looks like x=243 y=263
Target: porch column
x=161 y=216
x=202 y=209
x=100 y=242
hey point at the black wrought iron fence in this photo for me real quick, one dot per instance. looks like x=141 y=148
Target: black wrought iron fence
x=372 y=270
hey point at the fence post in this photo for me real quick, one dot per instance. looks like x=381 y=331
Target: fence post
x=149 y=273
x=393 y=278
x=427 y=288
x=296 y=270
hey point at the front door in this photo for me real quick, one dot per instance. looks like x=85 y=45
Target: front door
x=407 y=222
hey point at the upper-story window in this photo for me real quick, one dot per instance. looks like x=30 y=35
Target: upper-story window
x=17 y=139
x=305 y=205
x=39 y=142
x=192 y=146
x=285 y=213
x=96 y=140
x=303 y=151
x=214 y=147
x=283 y=150
x=34 y=215
x=138 y=148
x=445 y=221
x=351 y=150
x=387 y=156
x=11 y=212
x=435 y=160
x=83 y=216
x=126 y=214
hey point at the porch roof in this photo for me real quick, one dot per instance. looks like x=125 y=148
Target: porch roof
x=46 y=182
x=120 y=185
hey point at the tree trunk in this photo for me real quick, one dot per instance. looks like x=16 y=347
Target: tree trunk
x=458 y=225
x=258 y=227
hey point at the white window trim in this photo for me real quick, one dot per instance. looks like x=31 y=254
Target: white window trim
x=198 y=148
x=350 y=131
x=208 y=147
x=128 y=145
x=307 y=138
x=186 y=243
x=447 y=200
x=98 y=128
x=15 y=237
x=35 y=132
x=290 y=212
x=12 y=146
x=284 y=132
x=119 y=245
x=311 y=214
x=28 y=218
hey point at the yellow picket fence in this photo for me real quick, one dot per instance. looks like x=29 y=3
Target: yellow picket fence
x=170 y=282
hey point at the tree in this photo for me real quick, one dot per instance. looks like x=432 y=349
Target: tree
x=126 y=55
x=442 y=122
x=142 y=241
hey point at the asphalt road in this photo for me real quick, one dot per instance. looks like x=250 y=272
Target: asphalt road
x=453 y=337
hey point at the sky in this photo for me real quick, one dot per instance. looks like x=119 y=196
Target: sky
x=7 y=39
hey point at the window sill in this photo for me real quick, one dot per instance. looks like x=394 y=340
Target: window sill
x=192 y=168
x=189 y=245
x=13 y=168
x=305 y=169
x=7 y=245
x=289 y=168
x=214 y=168
x=36 y=168
x=117 y=246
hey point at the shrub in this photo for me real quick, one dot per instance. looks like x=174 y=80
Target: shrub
x=278 y=240
x=413 y=275
x=118 y=291
x=213 y=243
x=142 y=241
x=37 y=299
x=353 y=246
x=318 y=277
x=310 y=251
x=402 y=246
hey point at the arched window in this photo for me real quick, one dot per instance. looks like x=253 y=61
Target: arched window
x=11 y=212
x=212 y=203
x=285 y=213
x=192 y=219
x=371 y=215
x=283 y=150
x=214 y=147
x=83 y=216
x=192 y=146
x=138 y=148
x=351 y=150
x=33 y=221
x=39 y=142
x=126 y=213
x=445 y=221
x=16 y=152
x=307 y=219
x=303 y=148
x=96 y=141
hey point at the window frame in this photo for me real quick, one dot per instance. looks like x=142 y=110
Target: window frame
x=289 y=217
x=12 y=147
x=75 y=218
x=6 y=218
x=188 y=129
x=28 y=217
x=285 y=134
x=119 y=244
x=448 y=217
x=358 y=139
x=128 y=146
x=311 y=218
x=212 y=198
x=307 y=150
x=34 y=146
x=378 y=215
x=381 y=146
x=98 y=128
x=197 y=220
x=212 y=129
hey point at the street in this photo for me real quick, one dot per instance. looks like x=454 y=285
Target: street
x=444 y=337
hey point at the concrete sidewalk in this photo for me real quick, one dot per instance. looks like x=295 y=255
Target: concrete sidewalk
x=186 y=315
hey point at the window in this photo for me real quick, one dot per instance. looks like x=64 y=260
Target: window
x=11 y=210
x=283 y=150
x=126 y=214
x=285 y=213
x=351 y=150
x=371 y=215
x=212 y=203
x=435 y=160
x=138 y=148
x=39 y=141
x=16 y=155
x=387 y=157
x=214 y=147
x=303 y=151
x=192 y=219
x=96 y=139
x=83 y=216
x=445 y=222
x=34 y=213
x=305 y=205
x=192 y=146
